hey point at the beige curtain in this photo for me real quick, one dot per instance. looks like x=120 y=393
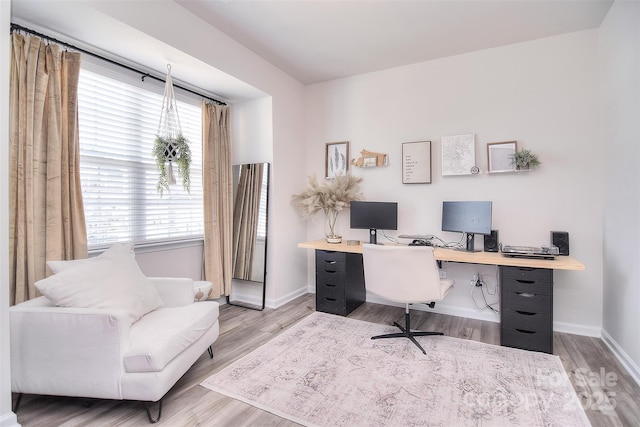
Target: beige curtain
x=217 y=186
x=245 y=219
x=46 y=218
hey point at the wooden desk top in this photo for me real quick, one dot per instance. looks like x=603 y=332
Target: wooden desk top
x=444 y=254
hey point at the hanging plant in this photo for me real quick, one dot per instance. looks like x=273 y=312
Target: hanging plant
x=167 y=150
x=170 y=145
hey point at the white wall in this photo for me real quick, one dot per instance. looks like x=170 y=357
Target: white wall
x=252 y=131
x=542 y=94
x=180 y=260
x=620 y=68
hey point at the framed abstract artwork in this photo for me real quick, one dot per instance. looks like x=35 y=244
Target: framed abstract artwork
x=336 y=159
x=459 y=155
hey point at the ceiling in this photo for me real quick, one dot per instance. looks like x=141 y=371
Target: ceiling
x=316 y=41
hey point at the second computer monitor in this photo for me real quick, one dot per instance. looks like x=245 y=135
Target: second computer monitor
x=467 y=217
x=374 y=216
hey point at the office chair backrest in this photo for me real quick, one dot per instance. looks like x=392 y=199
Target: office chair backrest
x=406 y=274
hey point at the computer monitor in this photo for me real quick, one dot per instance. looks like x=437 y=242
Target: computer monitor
x=467 y=217
x=374 y=216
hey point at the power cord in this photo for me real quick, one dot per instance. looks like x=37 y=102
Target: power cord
x=480 y=284
x=457 y=245
x=391 y=239
x=495 y=288
x=437 y=241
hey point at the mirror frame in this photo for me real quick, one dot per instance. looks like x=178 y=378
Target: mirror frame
x=238 y=303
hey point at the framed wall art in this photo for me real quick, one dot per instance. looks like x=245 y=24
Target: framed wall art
x=501 y=156
x=416 y=162
x=459 y=155
x=336 y=159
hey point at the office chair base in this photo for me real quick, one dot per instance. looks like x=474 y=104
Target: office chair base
x=407 y=333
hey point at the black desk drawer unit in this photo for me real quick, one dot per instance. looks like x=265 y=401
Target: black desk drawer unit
x=339 y=282
x=526 y=312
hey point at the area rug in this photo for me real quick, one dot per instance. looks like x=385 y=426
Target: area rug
x=326 y=371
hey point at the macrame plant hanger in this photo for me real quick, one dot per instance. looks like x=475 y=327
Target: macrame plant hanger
x=171 y=146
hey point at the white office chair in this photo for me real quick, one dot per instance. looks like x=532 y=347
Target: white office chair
x=405 y=274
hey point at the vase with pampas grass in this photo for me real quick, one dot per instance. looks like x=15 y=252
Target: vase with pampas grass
x=330 y=196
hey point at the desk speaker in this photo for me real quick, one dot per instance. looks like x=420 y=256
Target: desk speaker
x=491 y=242
x=561 y=240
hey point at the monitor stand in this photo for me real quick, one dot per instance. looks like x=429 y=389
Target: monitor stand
x=470 y=237
x=470 y=242
x=373 y=236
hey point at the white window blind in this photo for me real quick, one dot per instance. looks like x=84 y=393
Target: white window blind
x=118 y=123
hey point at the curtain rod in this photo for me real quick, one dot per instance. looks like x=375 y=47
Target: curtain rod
x=15 y=27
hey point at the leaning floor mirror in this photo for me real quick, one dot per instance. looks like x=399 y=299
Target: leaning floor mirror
x=250 y=190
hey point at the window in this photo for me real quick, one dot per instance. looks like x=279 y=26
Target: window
x=118 y=123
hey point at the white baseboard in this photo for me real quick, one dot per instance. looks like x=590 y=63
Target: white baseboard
x=573 y=328
x=271 y=303
x=268 y=303
x=9 y=420
x=248 y=299
x=622 y=356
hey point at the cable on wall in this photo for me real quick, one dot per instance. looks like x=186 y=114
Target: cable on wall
x=16 y=27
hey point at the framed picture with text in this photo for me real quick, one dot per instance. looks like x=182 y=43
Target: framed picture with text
x=416 y=162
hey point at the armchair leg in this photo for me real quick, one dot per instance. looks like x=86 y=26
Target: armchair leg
x=17 y=404
x=147 y=406
x=210 y=351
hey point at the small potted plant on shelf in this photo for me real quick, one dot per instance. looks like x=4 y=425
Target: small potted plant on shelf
x=525 y=159
x=331 y=197
x=169 y=149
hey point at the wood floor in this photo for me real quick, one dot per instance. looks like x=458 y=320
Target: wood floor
x=609 y=395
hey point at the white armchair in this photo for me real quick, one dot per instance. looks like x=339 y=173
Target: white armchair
x=101 y=353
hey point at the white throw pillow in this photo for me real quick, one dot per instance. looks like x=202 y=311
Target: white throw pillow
x=110 y=280
x=116 y=250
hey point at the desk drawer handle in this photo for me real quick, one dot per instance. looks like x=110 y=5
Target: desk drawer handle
x=329 y=262
x=526 y=313
x=526 y=294
x=331 y=285
x=525 y=331
x=330 y=299
x=330 y=271
x=526 y=282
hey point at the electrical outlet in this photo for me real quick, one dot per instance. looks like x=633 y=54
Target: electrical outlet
x=443 y=274
x=474 y=281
